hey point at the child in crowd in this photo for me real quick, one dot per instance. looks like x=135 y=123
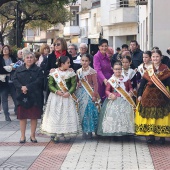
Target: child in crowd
x=117 y=116
x=60 y=117
x=146 y=62
x=153 y=113
x=87 y=94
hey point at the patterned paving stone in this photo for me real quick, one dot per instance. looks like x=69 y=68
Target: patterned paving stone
x=52 y=156
x=160 y=155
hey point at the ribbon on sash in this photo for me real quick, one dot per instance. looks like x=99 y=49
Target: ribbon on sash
x=113 y=82
x=157 y=82
x=88 y=88
x=62 y=85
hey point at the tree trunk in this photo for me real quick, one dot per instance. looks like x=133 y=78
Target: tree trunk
x=1 y=39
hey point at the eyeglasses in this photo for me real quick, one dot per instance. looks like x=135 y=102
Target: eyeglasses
x=58 y=44
x=31 y=57
x=6 y=49
x=117 y=69
x=82 y=48
x=71 y=48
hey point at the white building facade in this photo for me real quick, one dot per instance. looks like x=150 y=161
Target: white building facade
x=154 y=25
x=119 y=21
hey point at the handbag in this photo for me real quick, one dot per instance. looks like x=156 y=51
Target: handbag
x=25 y=100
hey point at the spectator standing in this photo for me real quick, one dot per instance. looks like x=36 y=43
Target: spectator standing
x=28 y=81
x=136 y=54
x=6 y=59
x=60 y=49
x=72 y=50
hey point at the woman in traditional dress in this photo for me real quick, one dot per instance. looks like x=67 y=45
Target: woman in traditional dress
x=60 y=117
x=117 y=117
x=153 y=113
x=103 y=67
x=146 y=62
x=87 y=94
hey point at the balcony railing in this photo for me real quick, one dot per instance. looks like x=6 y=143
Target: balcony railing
x=123 y=11
x=123 y=4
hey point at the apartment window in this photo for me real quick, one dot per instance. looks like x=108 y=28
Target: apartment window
x=75 y=19
x=124 y=3
x=94 y=20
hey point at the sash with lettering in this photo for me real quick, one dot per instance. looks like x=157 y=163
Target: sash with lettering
x=114 y=83
x=62 y=85
x=88 y=88
x=157 y=82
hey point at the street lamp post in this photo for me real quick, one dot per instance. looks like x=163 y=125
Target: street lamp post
x=17 y=23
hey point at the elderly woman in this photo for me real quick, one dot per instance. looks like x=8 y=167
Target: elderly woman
x=6 y=84
x=103 y=67
x=110 y=52
x=28 y=81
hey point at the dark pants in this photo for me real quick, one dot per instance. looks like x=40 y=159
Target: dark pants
x=10 y=89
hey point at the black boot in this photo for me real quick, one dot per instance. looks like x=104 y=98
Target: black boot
x=162 y=140
x=7 y=118
x=151 y=140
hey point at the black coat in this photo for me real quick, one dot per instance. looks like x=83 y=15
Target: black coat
x=32 y=78
x=52 y=61
x=3 y=71
x=137 y=58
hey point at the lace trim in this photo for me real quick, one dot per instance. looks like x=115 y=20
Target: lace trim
x=90 y=71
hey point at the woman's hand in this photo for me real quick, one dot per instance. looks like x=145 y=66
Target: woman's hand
x=94 y=99
x=60 y=93
x=113 y=97
x=24 y=89
x=139 y=98
x=105 y=81
x=52 y=70
x=66 y=95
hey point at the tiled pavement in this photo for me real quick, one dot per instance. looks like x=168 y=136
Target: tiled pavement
x=79 y=154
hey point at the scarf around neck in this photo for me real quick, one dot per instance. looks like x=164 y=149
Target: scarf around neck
x=58 y=54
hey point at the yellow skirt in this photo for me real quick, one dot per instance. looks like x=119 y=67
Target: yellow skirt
x=157 y=127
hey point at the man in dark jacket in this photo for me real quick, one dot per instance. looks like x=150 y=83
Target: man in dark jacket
x=136 y=54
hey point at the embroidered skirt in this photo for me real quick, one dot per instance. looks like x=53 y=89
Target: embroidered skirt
x=87 y=110
x=60 y=116
x=116 y=118
x=153 y=120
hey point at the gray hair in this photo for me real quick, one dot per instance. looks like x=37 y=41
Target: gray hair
x=19 y=51
x=83 y=44
x=74 y=45
x=26 y=51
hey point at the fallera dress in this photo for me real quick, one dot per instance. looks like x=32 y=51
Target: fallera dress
x=153 y=112
x=60 y=116
x=87 y=108
x=116 y=117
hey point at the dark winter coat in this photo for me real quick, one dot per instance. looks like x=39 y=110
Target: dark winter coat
x=3 y=71
x=32 y=78
x=137 y=58
x=52 y=61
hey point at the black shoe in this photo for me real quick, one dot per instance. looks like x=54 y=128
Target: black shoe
x=115 y=138
x=7 y=118
x=22 y=141
x=89 y=136
x=151 y=140
x=162 y=141
x=33 y=141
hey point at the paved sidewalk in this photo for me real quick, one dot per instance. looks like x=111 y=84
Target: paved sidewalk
x=79 y=154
